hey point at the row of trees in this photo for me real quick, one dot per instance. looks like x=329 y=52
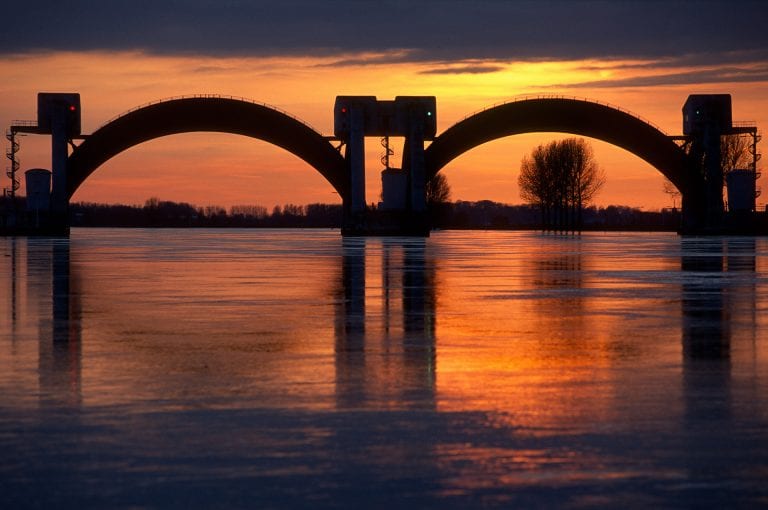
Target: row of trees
x=561 y=178
x=486 y=214
x=483 y=214
x=163 y=213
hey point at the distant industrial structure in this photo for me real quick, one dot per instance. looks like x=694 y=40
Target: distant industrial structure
x=691 y=161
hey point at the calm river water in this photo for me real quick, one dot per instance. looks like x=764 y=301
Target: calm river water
x=296 y=369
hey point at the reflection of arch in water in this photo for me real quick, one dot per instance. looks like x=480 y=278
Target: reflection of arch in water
x=719 y=296
x=562 y=115
x=349 y=327
x=707 y=382
x=55 y=287
x=706 y=333
x=214 y=114
x=379 y=337
x=419 y=293
x=706 y=325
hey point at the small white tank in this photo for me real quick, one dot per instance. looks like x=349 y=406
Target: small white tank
x=38 y=182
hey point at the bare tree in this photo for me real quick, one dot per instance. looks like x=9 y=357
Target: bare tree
x=561 y=177
x=438 y=190
x=536 y=182
x=735 y=153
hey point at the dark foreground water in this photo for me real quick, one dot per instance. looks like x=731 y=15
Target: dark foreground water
x=294 y=369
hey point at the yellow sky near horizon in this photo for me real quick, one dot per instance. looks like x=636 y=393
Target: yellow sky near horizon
x=221 y=169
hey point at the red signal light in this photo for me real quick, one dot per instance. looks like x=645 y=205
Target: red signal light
x=72 y=108
x=343 y=109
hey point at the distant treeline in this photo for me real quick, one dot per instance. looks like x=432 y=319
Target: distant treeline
x=162 y=213
x=484 y=214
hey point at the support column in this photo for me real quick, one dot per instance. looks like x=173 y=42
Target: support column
x=713 y=171
x=416 y=222
x=356 y=160
x=694 y=211
x=59 y=155
x=415 y=144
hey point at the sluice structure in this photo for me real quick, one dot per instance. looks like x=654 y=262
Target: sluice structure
x=692 y=161
x=403 y=209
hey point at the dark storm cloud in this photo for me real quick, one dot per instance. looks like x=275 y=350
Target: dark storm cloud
x=430 y=30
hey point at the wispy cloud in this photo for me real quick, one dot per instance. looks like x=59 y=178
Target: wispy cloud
x=686 y=77
x=464 y=69
x=212 y=69
x=393 y=56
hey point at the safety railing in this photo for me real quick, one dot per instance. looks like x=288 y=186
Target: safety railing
x=530 y=97
x=209 y=96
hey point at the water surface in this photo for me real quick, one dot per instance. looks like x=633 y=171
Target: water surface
x=297 y=369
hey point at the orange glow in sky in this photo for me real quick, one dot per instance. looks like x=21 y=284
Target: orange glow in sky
x=221 y=169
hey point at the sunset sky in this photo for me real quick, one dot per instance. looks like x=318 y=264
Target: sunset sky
x=298 y=55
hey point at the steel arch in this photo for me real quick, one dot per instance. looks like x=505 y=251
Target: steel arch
x=207 y=113
x=563 y=115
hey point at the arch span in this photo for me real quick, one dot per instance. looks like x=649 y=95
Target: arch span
x=563 y=115
x=215 y=114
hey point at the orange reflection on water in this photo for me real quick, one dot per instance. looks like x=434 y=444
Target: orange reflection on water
x=549 y=342
x=200 y=324
x=543 y=335
x=484 y=366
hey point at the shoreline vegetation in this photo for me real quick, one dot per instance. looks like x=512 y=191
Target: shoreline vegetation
x=484 y=214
